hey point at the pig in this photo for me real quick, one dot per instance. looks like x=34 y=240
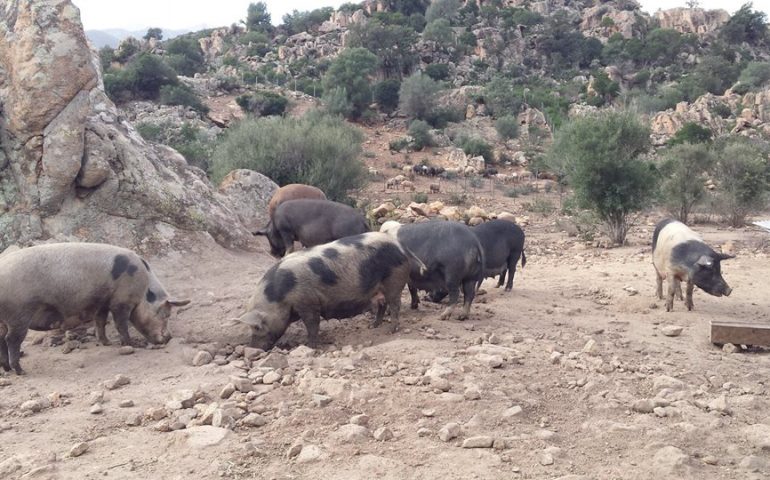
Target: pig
x=453 y=257
x=293 y=191
x=311 y=222
x=679 y=254
x=340 y=279
x=503 y=245
x=64 y=284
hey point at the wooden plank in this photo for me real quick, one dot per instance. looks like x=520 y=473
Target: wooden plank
x=740 y=333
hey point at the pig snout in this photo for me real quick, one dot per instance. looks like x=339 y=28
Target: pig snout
x=728 y=291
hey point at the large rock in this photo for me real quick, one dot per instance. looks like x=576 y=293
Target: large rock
x=665 y=124
x=692 y=20
x=248 y=192
x=72 y=167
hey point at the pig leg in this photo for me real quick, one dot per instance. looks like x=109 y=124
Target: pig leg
x=688 y=302
x=379 y=315
x=312 y=321
x=454 y=296
x=469 y=292
x=513 y=259
x=121 y=315
x=678 y=286
x=413 y=294
x=501 y=280
x=394 y=303
x=659 y=285
x=100 y=320
x=4 y=349
x=670 y=294
x=13 y=340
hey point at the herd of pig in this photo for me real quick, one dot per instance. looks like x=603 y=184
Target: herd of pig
x=343 y=271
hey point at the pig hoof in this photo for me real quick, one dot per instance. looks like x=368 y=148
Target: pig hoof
x=19 y=371
x=462 y=316
x=6 y=367
x=394 y=328
x=414 y=306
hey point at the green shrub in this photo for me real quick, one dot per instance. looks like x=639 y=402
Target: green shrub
x=182 y=95
x=439 y=31
x=475 y=146
x=502 y=97
x=440 y=116
x=743 y=176
x=142 y=78
x=258 y=17
x=541 y=206
x=457 y=199
x=297 y=22
x=507 y=127
x=398 y=145
x=746 y=25
x=691 y=132
x=386 y=94
x=392 y=45
x=446 y=9
x=190 y=141
x=602 y=154
x=263 y=103
x=721 y=109
x=523 y=189
x=420 y=197
x=437 y=71
x=317 y=149
x=419 y=130
x=417 y=96
x=185 y=56
x=351 y=71
x=337 y=102
x=106 y=57
x=756 y=74
x=683 y=171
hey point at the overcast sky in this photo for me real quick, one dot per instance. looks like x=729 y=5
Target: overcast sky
x=177 y=14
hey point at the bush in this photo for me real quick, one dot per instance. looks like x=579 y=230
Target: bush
x=317 y=149
x=507 y=127
x=420 y=197
x=258 y=18
x=106 y=57
x=393 y=45
x=398 y=145
x=439 y=31
x=756 y=74
x=185 y=56
x=337 y=102
x=297 y=22
x=502 y=97
x=683 y=171
x=437 y=71
x=440 y=116
x=263 y=103
x=602 y=158
x=475 y=146
x=190 y=141
x=182 y=95
x=743 y=178
x=419 y=130
x=142 y=78
x=350 y=71
x=417 y=96
x=446 y=9
x=745 y=26
x=691 y=132
x=386 y=94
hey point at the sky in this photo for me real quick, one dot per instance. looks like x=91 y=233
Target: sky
x=179 y=14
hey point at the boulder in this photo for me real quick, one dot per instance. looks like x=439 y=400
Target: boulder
x=74 y=167
x=248 y=193
x=692 y=20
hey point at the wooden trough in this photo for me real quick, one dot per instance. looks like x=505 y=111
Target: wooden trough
x=740 y=333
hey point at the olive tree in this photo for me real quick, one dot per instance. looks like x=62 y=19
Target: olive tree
x=603 y=160
x=684 y=173
x=743 y=179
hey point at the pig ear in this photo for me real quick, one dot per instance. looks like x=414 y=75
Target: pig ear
x=250 y=318
x=705 y=261
x=177 y=303
x=725 y=256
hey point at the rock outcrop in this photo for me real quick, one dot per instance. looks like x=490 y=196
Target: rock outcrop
x=70 y=165
x=692 y=20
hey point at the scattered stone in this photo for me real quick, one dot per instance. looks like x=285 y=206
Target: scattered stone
x=221 y=419
x=34 y=406
x=361 y=419
x=227 y=391
x=672 y=330
x=309 y=453
x=117 y=382
x=202 y=358
x=472 y=393
x=758 y=435
x=631 y=290
x=664 y=381
x=302 y=351
x=78 y=449
x=205 y=436
x=174 y=405
x=729 y=348
x=449 y=431
x=546 y=459
x=590 y=347
x=512 y=412
x=134 y=420
x=383 y=434
x=491 y=361
x=428 y=412
x=481 y=441
x=126 y=403
x=440 y=383
x=5 y=382
x=321 y=401
x=95 y=397
x=719 y=404
x=157 y=413
x=411 y=380
x=753 y=463
x=96 y=409
x=185 y=397
x=643 y=406
x=669 y=460
x=254 y=420
x=242 y=384
x=351 y=434
x=126 y=350
x=451 y=397
x=274 y=360
x=163 y=426
x=271 y=378
x=250 y=353
x=423 y=432
x=555 y=357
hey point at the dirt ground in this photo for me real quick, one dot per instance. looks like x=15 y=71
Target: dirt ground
x=584 y=412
